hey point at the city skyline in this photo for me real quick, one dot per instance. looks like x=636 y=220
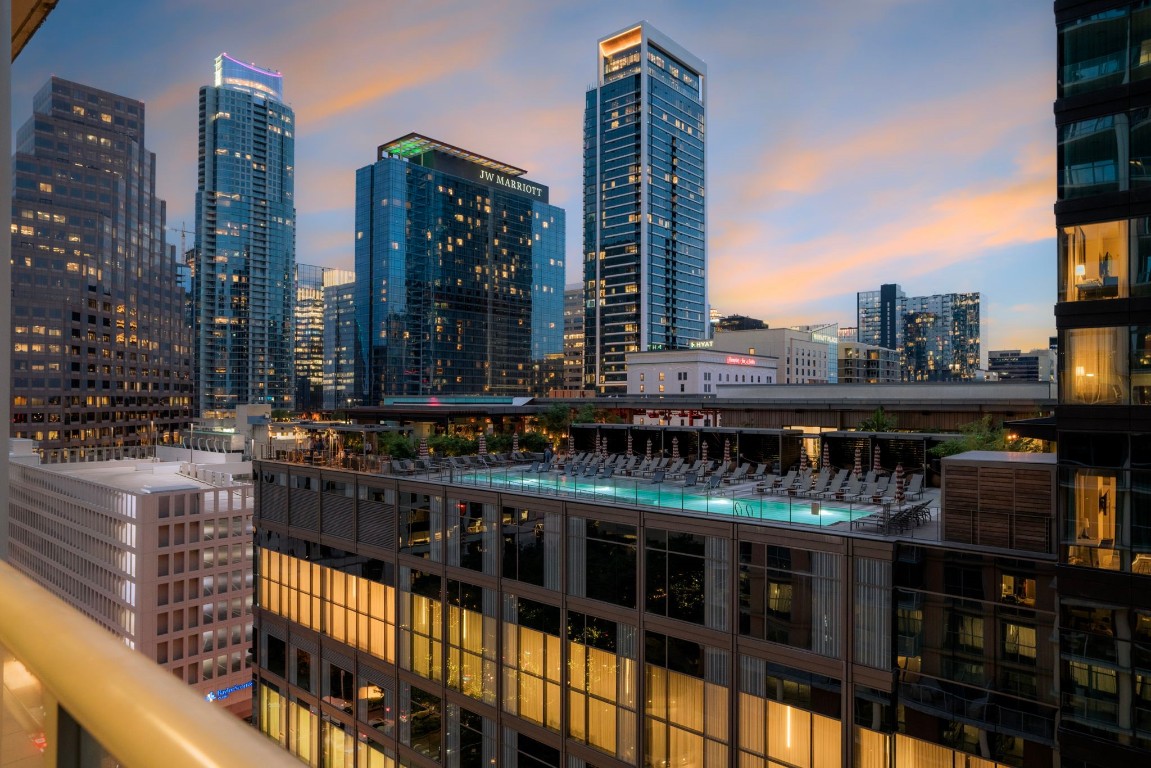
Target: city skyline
x=865 y=152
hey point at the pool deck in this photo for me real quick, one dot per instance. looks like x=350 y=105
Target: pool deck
x=745 y=500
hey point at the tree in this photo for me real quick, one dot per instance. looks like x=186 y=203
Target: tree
x=879 y=421
x=556 y=420
x=985 y=435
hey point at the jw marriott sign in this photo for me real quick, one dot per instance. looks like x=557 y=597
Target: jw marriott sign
x=490 y=177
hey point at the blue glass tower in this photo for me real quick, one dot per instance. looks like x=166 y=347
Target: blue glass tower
x=645 y=229
x=459 y=273
x=245 y=241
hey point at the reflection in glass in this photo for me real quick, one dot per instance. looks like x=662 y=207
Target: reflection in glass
x=1093 y=156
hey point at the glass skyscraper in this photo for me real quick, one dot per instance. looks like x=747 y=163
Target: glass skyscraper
x=311 y=280
x=937 y=337
x=101 y=353
x=645 y=233
x=245 y=241
x=459 y=273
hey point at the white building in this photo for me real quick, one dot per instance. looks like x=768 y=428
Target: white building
x=695 y=371
x=158 y=552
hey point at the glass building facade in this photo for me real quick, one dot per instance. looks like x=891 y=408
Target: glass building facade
x=937 y=337
x=101 y=353
x=341 y=353
x=311 y=281
x=422 y=623
x=459 y=273
x=1103 y=316
x=645 y=229
x=245 y=241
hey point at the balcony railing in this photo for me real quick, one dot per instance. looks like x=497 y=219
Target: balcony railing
x=68 y=687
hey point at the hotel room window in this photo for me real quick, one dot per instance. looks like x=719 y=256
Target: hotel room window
x=1093 y=261
x=1095 y=370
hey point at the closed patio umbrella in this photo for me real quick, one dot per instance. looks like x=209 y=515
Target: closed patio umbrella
x=629 y=444
x=515 y=442
x=703 y=450
x=647 y=456
x=674 y=448
x=858 y=468
x=876 y=467
x=423 y=449
x=571 y=444
x=802 y=457
x=899 y=483
x=826 y=456
x=483 y=449
x=726 y=452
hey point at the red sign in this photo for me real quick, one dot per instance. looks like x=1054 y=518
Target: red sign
x=732 y=360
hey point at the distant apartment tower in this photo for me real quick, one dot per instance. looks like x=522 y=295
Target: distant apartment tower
x=573 y=336
x=459 y=273
x=101 y=353
x=645 y=249
x=1016 y=365
x=245 y=241
x=738 y=323
x=341 y=350
x=310 y=283
x=149 y=552
x=938 y=337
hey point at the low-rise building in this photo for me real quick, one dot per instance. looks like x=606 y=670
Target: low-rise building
x=695 y=371
x=861 y=363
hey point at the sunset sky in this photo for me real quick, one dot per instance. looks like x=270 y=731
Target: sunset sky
x=850 y=142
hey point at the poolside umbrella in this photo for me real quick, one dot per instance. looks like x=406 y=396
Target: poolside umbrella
x=802 y=457
x=726 y=452
x=703 y=451
x=423 y=449
x=598 y=444
x=899 y=483
x=826 y=461
x=876 y=467
x=629 y=444
x=483 y=445
x=571 y=444
x=675 y=448
x=647 y=456
x=858 y=468
x=515 y=442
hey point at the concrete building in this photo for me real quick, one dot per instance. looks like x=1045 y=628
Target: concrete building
x=1036 y=365
x=645 y=218
x=805 y=356
x=158 y=551
x=101 y=354
x=867 y=364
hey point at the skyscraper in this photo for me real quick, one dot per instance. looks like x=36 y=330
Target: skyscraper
x=1103 y=317
x=101 y=354
x=245 y=240
x=459 y=273
x=645 y=229
x=311 y=281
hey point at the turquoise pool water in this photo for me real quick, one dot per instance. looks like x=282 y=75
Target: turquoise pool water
x=667 y=495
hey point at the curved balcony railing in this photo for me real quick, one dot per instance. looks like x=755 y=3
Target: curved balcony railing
x=67 y=686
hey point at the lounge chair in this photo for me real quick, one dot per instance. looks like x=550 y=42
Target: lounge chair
x=878 y=490
x=675 y=468
x=657 y=477
x=817 y=486
x=690 y=479
x=606 y=473
x=738 y=474
x=781 y=484
x=629 y=465
x=914 y=488
x=760 y=473
x=835 y=484
x=713 y=483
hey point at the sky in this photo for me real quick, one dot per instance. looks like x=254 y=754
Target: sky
x=850 y=143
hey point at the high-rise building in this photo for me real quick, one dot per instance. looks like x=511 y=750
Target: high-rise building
x=938 y=336
x=245 y=241
x=459 y=273
x=1103 y=318
x=573 y=337
x=645 y=227
x=341 y=350
x=101 y=354
x=310 y=283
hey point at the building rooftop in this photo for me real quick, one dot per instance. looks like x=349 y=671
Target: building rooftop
x=414 y=144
